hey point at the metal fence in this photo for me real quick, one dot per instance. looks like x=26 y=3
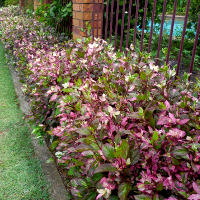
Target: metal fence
x=126 y=32
x=66 y=24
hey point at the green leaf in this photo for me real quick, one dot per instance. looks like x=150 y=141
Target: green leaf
x=162 y=106
x=91 y=196
x=175 y=161
x=83 y=131
x=141 y=111
x=195 y=147
x=122 y=150
x=117 y=139
x=57 y=111
x=50 y=160
x=134 y=156
x=54 y=145
x=124 y=190
x=78 y=182
x=105 y=168
x=77 y=162
x=97 y=177
x=180 y=153
x=108 y=151
x=121 y=69
x=113 y=198
x=68 y=90
x=78 y=106
x=71 y=171
x=156 y=197
x=142 y=197
x=154 y=137
x=83 y=147
x=68 y=99
x=159 y=187
x=143 y=76
x=59 y=79
x=78 y=82
x=186 y=77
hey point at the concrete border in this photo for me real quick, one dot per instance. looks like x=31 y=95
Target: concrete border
x=57 y=190
x=177 y=17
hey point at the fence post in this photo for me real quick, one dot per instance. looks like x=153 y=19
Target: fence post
x=83 y=15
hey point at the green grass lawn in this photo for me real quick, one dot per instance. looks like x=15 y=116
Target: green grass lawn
x=21 y=176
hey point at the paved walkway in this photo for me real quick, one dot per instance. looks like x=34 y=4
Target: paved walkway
x=21 y=176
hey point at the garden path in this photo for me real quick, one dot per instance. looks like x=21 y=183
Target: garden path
x=21 y=176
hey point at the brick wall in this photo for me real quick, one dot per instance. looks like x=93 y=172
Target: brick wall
x=83 y=14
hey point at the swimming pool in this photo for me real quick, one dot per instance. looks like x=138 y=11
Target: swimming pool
x=178 y=27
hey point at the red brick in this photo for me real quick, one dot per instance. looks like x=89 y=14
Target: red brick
x=86 y=1
x=85 y=23
x=36 y=4
x=83 y=14
x=86 y=15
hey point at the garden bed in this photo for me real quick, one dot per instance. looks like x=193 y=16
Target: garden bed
x=119 y=128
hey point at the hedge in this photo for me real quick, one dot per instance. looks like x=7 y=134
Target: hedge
x=120 y=128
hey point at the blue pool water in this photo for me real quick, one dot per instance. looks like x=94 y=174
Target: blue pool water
x=178 y=27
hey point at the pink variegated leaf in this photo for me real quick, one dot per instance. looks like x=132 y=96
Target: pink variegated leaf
x=175 y=132
x=124 y=121
x=99 y=196
x=194 y=197
x=172 y=118
x=167 y=104
x=131 y=88
x=54 y=97
x=183 y=121
x=196 y=187
x=133 y=99
x=163 y=120
x=171 y=198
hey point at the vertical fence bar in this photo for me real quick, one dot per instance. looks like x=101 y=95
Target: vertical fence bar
x=122 y=27
x=135 y=26
x=183 y=37
x=106 y=28
x=97 y=18
x=102 y=14
x=171 y=32
x=116 y=25
x=129 y=24
x=111 y=20
x=152 y=22
x=161 y=30
x=143 y=26
x=93 y=20
x=195 y=46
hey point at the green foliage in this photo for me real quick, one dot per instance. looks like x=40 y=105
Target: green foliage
x=11 y=2
x=120 y=126
x=55 y=13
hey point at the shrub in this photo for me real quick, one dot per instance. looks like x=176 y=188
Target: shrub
x=55 y=14
x=11 y=11
x=11 y=2
x=121 y=129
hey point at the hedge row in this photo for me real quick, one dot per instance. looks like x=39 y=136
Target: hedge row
x=120 y=129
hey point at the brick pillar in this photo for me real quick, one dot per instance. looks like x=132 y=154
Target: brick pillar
x=22 y=4
x=36 y=4
x=83 y=13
